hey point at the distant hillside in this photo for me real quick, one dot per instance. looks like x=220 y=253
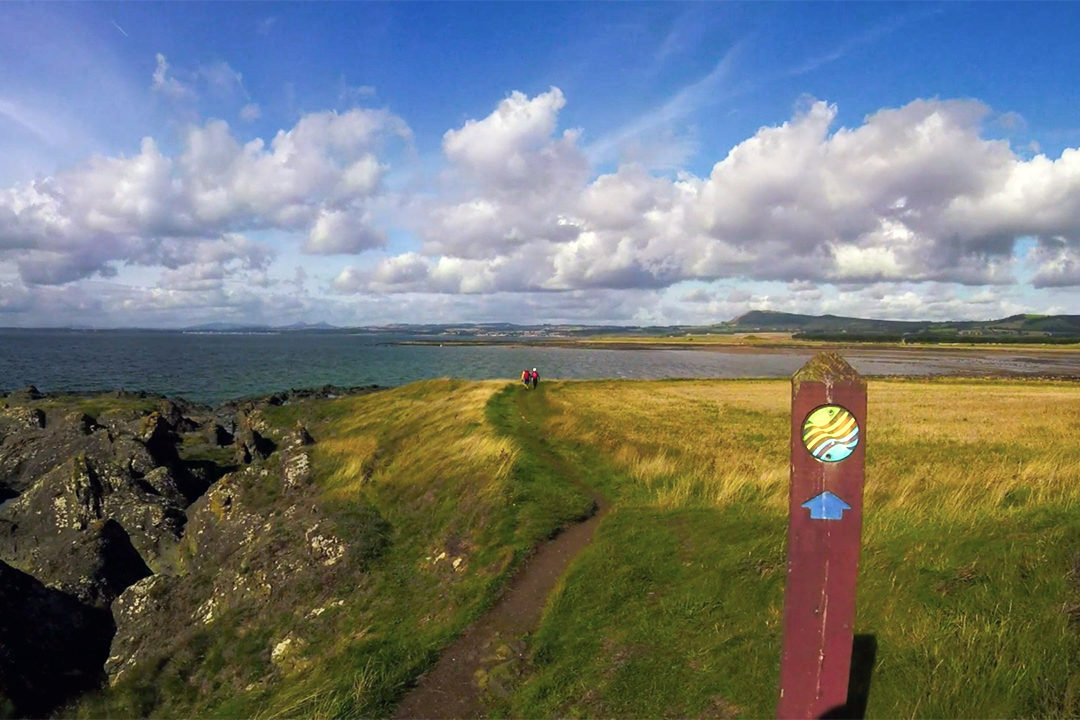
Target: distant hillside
x=1016 y=328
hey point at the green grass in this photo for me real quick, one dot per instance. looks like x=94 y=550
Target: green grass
x=422 y=476
x=969 y=577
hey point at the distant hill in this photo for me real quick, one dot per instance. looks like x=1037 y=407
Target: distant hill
x=1015 y=328
x=240 y=327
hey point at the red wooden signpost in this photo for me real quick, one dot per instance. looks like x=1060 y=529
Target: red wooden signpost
x=828 y=448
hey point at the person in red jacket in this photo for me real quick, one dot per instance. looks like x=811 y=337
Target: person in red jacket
x=534 y=378
x=525 y=377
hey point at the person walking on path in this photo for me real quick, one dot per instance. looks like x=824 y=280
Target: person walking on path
x=534 y=377
x=526 y=376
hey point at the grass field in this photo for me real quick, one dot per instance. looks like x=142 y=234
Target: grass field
x=969 y=579
x=767 y=340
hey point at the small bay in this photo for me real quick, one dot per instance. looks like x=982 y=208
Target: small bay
x=212 y=367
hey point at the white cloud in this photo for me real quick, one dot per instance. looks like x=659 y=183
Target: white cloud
x=513 y=147
x=341 y=231
x=912 y=194
x=889 y=217
x=318 y=177
x=1056 y=263
x=168 y=85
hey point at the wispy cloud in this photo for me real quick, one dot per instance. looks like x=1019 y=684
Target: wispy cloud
x=265 y=25
x=685 y=33
x=167 y=84
x=865 y=38
x=223 y=78
x=122 y=31
x=689 y=99
x=33 y=122
x=353 y=94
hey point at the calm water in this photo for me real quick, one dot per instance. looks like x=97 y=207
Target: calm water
x=215 y=367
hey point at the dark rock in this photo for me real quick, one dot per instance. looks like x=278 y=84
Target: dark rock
x=133 y=455
x=52 y=647
x=300 y=436
x=294 y=395
x=160 y=439
x=94 y=564
x=175 y=417
x=148 y=600
x=27 y=393
x=160 y=481
x=29 y=451
x=99 y=503
x=82 y=422
x=250 y=446
x=85 y=486
x=54 y=529
x=219 y=436
x=23 y=417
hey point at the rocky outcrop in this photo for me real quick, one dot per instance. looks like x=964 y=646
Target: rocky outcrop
x=130 y=524
x=258 y=547
x=112 y=489
x=93 y=505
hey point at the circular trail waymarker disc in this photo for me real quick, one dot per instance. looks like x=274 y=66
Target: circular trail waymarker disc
x=830 y=433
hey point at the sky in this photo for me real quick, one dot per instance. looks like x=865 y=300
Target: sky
x=167 y=165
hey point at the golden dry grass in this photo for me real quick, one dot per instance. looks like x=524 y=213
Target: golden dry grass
x=408 y=435
x=961 y=446
x=967 y=569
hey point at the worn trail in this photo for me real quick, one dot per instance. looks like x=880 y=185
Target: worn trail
x=450 y=689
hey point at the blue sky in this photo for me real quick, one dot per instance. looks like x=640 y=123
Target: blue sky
x=585 y=162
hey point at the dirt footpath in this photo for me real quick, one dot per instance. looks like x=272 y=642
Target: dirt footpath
x=452 y=689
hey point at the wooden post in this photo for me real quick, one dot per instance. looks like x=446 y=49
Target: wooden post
x=828 y=448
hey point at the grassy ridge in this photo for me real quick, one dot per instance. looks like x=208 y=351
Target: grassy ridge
x=967 y=582
x=442 y=469
x=448 y=506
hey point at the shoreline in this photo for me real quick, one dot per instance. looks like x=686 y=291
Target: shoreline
x=19 y=396
x=763 y=347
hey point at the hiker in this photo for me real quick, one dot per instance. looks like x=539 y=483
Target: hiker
x=525 y=377
x=534 y=377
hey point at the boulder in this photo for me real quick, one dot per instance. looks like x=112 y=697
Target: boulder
x=52 y=647
x=27 y=393
x=143 y=603
x=19 y=417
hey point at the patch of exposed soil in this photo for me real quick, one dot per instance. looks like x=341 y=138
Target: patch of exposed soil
x=451 y=689
x=474 y=663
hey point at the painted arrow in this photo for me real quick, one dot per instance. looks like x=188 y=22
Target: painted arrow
x=826 y=506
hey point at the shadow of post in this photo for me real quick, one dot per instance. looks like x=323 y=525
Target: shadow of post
x=863 y=657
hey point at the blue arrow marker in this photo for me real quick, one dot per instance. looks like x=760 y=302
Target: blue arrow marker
x=826 y=506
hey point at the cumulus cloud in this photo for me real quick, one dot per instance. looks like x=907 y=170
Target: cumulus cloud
x=341 y=231
x=1056 y=263
x=881 y=215
x=317 y=178
x=914 y=193
x=509 y=181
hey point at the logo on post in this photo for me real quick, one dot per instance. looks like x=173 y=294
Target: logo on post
x=830 y=433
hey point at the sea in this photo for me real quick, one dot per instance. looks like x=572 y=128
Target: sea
x=210 y=367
